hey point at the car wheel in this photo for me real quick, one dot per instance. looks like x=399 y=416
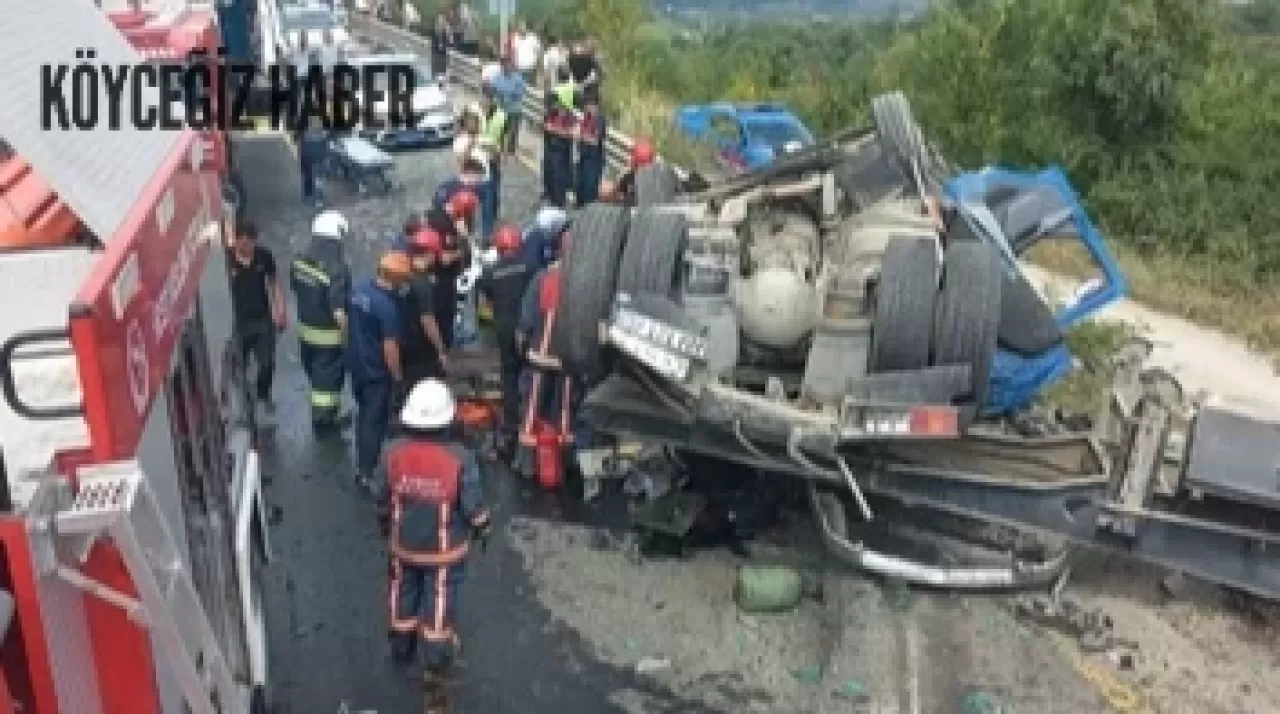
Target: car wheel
x=904 y=299
x=651 y=260
x=656 y=184
x=967 y=318
x=587 y=285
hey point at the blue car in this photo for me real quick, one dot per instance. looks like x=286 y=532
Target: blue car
x=746 y=136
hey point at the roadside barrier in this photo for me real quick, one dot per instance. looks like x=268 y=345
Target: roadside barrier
x=466 y=71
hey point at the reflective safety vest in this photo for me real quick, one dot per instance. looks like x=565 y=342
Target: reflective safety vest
x=493 y=127
x=565 y=93
x=312 y=286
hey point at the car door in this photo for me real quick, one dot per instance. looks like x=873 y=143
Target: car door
x=729 y=140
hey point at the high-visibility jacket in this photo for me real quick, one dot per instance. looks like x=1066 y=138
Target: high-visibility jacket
x=436 y=497
x=321 y=284
x=492 y=127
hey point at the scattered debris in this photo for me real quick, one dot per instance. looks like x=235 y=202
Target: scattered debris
x=979 y=702
x=852 y=689
x=1092 y=628
x=652 y=665
x=768 y=589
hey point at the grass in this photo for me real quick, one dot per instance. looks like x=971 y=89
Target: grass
x=1199 y=291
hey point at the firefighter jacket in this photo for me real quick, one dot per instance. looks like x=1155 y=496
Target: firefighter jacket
x=436 y=497
x=504 y=284
x=321 y=284
x=540 y=301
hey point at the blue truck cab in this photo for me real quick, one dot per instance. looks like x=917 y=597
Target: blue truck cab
x=745 y=136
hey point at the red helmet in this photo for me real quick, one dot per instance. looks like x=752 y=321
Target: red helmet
x=507 y=240
x=642 y=153
x=463 y=204
x=427 y=241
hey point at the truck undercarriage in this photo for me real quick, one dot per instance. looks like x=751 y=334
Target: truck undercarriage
x=855 y=315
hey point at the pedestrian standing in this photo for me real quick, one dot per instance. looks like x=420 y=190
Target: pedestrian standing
x=374 y=358
x=493 y=132
x=591 y=154
x=584 y=67
x=313 y=153
x=258 y=306
x=441 y=41
x=558 y=132
x=437 y=508
x=526 y=50
x=509 y=87
x=554 y=58
x=503 y=284
x=321 y=284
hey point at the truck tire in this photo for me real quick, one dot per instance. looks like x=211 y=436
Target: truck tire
x=967 y=317
x=904 y=305
x=1027 y=327
x=656 y=185
x=651 y=261
x=587 y=286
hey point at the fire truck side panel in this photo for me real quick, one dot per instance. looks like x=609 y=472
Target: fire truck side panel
x=63 y=609
x=122 y=651
x=26 y=652
x=130 y=312
x=43 y=283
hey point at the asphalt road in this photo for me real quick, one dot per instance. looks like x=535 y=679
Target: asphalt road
x=556 y=618
x=327 y=595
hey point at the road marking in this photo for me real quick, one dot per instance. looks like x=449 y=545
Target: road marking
x=913 y=664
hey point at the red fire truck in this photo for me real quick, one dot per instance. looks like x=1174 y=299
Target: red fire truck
x=132 y=528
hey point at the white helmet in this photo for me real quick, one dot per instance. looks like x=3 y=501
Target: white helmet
x=330 y=224
x=429 y=406
x=551 y=220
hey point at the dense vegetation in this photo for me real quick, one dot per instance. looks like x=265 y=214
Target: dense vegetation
x=1165 y=112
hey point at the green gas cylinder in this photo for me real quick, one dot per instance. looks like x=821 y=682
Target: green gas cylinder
x=768 y=588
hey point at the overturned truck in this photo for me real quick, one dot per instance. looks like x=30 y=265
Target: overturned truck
x=855 y=315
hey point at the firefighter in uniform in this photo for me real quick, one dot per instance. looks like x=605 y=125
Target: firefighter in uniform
x=642 y=155
x=558 y=136
x=321 y=284
x=452 y=220
x=425 y=354
x=503 y=284
x=436 y=508
x=548 y=391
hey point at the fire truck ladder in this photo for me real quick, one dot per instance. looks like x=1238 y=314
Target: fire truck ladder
x=115 y=501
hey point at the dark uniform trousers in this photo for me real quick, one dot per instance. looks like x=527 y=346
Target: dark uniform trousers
x=505 y=284
x=320 y=341
x=431 y=500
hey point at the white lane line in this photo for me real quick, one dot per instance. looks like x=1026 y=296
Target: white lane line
x=913 y=664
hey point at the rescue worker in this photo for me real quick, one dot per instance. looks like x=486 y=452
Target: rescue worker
x=374 y=358
x=425 y=354
x=642 y=155
x=452 y=221
x=436 y=497
x=591 y=154
x=558 y=136
x=547 y=390
x=541 y=238
x=321 y=284
x=503 y=284
x=493 y=130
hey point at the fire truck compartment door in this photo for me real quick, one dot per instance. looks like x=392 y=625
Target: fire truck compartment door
x=96 y=165
x=250 y=535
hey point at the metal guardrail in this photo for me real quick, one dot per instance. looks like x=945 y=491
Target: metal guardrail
x=466 y=71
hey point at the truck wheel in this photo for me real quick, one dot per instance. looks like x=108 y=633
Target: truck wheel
x=656 y=184
x=651 y=260
x=904 y=305
x=967 y=318
x=587 y=285
x=1027 y=327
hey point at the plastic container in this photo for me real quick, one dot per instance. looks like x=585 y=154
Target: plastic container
x=768 y=588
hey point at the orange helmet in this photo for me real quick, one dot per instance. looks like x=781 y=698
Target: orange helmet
x=463 y=204
x=642 y=153
x=507 y=240
x=395 y=265
x=426 y=241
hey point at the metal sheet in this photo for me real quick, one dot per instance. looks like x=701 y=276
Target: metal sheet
x=89 y=169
